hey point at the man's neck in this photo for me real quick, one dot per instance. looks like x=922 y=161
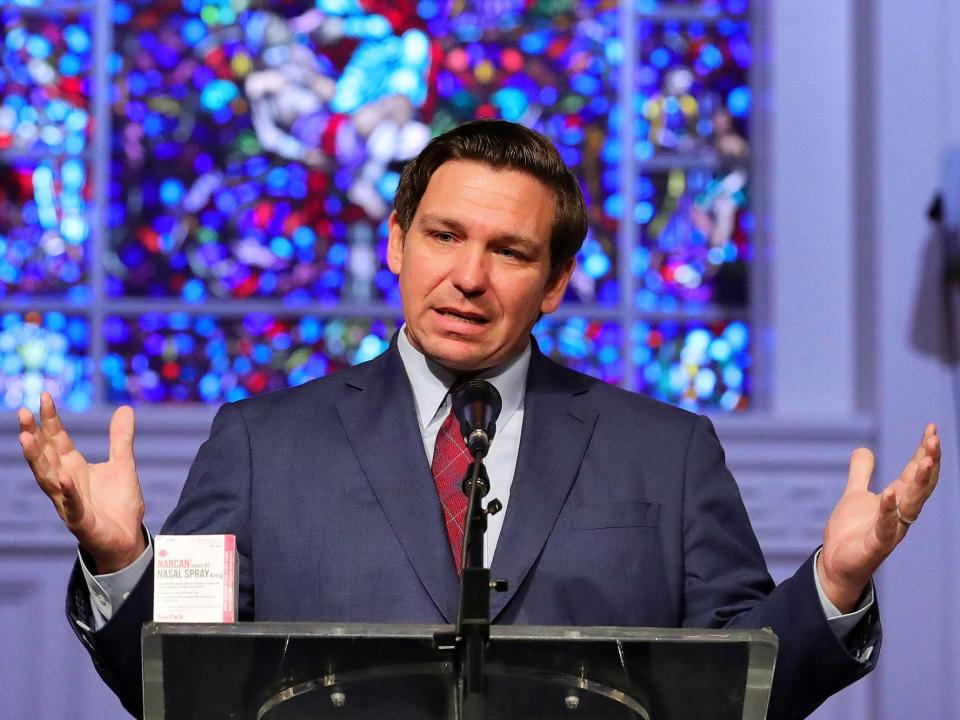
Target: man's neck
x=431 y=380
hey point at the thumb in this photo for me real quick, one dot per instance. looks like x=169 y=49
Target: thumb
x=861 y=469
x=122 y=431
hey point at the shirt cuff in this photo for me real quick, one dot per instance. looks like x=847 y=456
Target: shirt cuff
x=841 y=623
x=108 y=591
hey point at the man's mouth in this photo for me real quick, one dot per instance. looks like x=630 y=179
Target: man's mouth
x=474 y=318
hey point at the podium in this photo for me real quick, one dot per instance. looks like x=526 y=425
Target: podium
x=295 y=671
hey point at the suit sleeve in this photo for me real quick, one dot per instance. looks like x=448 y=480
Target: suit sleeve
x=726 y=584
x=215 y=500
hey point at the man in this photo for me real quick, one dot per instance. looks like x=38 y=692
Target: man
x=619 y=510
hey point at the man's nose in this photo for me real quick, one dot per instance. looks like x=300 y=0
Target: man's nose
x=470 y=273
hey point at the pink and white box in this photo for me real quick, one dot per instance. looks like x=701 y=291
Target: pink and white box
x=195 y=578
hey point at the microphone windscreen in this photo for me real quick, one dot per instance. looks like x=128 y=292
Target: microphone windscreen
x=477 y=405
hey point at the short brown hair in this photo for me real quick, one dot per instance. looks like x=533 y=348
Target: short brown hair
x=502 y=145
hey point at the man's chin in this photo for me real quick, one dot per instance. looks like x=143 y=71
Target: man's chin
x=459 y=356
x=460 y=365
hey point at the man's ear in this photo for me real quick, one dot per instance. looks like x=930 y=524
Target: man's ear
x=557 y=286
x=395 y=244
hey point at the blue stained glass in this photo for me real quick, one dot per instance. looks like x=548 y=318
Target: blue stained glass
x=45 y=354
x=590 y=346
x=692 y=365
x=38 y=47
x=44 y=74
x=596 y=265
x=711 y=56
x=512 y=103
x=691 y=72
x=643 y=213
x=69 y=65
x=180 y=358
x=738 y=101
x=43 y=228
x=122 y=13
x=194 y=31
x=694 y=237
x=77 y=37
x=660 y=57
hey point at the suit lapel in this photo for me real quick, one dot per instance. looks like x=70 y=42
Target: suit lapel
x=381 y=422
x=557 y=427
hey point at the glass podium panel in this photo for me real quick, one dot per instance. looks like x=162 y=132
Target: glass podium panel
x=293 y=671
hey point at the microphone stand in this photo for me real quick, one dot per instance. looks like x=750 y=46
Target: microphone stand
x=472 y=633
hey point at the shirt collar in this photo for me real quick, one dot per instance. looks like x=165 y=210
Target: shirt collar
x=431 y=381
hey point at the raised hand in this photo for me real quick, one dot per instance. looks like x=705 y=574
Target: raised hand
x=865 y=527
x=100 y=503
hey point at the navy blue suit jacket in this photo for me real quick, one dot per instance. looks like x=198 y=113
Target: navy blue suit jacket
x=621 y=512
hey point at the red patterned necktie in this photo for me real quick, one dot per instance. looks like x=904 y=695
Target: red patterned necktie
x=450 y=461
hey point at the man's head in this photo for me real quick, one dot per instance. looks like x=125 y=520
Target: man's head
x=502 y=145
x=487 y=223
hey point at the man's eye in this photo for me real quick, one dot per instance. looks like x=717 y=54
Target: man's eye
x=443 y=236
x=509 y=253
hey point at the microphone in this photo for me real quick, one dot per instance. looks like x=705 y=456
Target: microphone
x=477 y=404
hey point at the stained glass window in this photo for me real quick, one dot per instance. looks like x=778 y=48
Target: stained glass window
x=178 y=357
x=44 y=227
x=591 y=346
x=45 y=126
x=692 y=88
x=253 y=147
x=45 y=353
x=266 y=144
x=694 y=245
x=45 y=81
x=691 y=207
x=693 y=364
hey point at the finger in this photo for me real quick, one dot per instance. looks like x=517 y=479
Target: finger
x=933 y=453
x=886 y=528
x=909 y=470
x=861 y=469
x=916 y=488
x=26 y=420
x=29 y=434
x=31 y=438
x=122 y=431
x=38 y=452
x=929 y=432
x=52 y=425
x=47 y=481
x=33 y=453
x=920 y=475
x=42 y=460
x=932 y=447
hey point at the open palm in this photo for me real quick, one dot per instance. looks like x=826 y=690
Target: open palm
x=100 y=503
x=865 y=527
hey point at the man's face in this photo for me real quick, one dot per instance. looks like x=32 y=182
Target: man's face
x=474 y=266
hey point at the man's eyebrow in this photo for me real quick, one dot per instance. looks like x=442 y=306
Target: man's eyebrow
x=452 y=224
x=446 y=222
